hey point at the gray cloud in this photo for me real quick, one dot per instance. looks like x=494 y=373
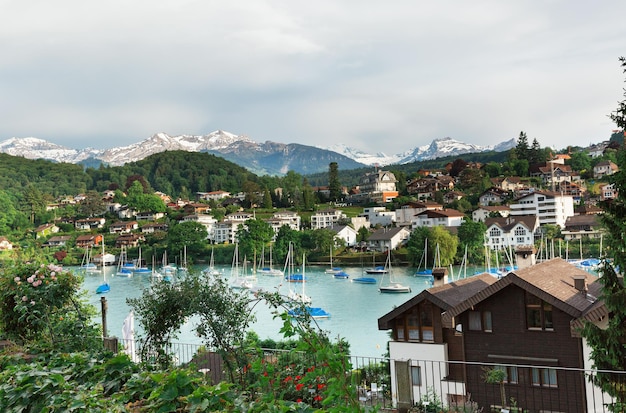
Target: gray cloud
x=380 y=76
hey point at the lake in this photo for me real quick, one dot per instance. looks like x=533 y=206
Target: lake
x=354 y=308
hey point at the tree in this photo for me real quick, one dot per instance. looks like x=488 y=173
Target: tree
x=267 y=199
x=441 y=245
x=92 y=205
x=522 y=150
x=253 y=236
x=334 y=186
x=472 y=235
x=191 y=234
x=607 y=344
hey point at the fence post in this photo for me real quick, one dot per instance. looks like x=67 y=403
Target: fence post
x=104 y=306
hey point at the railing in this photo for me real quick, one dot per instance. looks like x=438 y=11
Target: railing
x=437 y=386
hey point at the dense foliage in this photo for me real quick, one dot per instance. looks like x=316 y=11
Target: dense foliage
x=607 y=343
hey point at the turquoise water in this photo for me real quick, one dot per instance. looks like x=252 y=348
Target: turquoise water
x=354 y=308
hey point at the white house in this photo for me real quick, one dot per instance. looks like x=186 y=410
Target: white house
x=405 y=214
x=445 y=217
x=550 y=207
x=482 y=213
x=204 y=219
x=604 y=168
x=214 y=195
x=388 y=238
x=379 y=216
x=346 y=233
x=511 y=232
x=326 y=218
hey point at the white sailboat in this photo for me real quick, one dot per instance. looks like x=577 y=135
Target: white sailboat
x=391 y=286
x=376 y=269
x=298 y=297
x=269 y=270
x=139 y=267
x=122 y=269
x=303 y=301
x=332 y=270
x=238 y=278
x=211 y=270
x=104 y=287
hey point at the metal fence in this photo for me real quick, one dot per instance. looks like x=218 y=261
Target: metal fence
x=436 y=386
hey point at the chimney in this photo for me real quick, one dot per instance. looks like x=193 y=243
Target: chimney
x=440 y=274
x=580 y=284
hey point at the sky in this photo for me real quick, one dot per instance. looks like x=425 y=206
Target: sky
x=372 y=75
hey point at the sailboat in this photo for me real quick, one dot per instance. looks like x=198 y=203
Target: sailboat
x=104 y=287
x=167 y=271
x=87 y=264
x=122 y=269
x=376 y=269
x=211 y=270
x=238 y=278
x=268 y=270
x=391 y=286
x=332 y=270
x=293 y=295
x=303 y=300
x=139 y=267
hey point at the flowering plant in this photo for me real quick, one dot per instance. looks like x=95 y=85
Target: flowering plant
x=41 y=301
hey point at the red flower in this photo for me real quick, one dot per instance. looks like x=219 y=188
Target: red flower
x=298 y=377
x=265 y=373
x=320 y=386
x=287 y=379
x=317 y=398
x=299 y=401
x=299 y=386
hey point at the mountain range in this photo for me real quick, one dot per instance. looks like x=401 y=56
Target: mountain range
x=268 y=158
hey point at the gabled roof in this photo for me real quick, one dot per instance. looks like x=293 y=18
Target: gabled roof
x=442 y=213
x=445 y=296
x=508 y=223
x=552 y=281
x=384 y=234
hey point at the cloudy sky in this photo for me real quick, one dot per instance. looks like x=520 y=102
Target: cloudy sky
x=378 y=76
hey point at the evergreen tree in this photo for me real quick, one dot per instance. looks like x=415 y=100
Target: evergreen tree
x=522 y=150
x=607 y=344
x=334 y=186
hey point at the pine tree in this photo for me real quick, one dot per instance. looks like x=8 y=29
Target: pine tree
x=334 y=186
x=522 y=149
x=607 y=344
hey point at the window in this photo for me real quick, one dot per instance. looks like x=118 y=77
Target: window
x=511 y=375
x=416 y=375
x=480 y=321
x=543 y=377
x=427 y=323
x=400 y=329
x=494 y=232
x=538 y=314
x=416 y=325
x=520 y=231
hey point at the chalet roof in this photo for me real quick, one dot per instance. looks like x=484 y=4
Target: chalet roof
x=508 y=223
x=424 y=204
x=59 y=238
x=384 y=234
x=549 y=194
x=441 y=213
x=588 y=209
x=445 y=296
x=592 y=220
x=552 y=281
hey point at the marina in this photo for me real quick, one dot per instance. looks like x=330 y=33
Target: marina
x=353 y=307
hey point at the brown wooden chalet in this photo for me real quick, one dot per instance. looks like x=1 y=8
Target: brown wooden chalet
x=123 y=227
x=129 y=240
x=84 y=241
x=525 y=323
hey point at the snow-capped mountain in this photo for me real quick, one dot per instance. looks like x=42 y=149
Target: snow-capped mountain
x=437 y=149
x=261 y=158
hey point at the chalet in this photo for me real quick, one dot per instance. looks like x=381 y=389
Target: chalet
x=5 y=244
x=123 y=227
x=552 y=173
x=582 y=227
x=125 y=212
x=86 y=241
x=129 y=240
x=88 y=224
x=509 y=183
x=196 y=208
x=608 y=191
x=386 y=239
x=493 y=196
x=511 y=232
x=524 y=323
x=154 y=227
x=445 y=217
x=58 y=241
x=484 y=212
x=587 y=209
x=604 y=168
x=452 y=196
x=46 y=230
x=425 y=188
x=571 y=188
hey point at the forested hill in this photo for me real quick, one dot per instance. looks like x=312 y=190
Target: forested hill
x=174 y=172
x=17 y=173
x=178 y=173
